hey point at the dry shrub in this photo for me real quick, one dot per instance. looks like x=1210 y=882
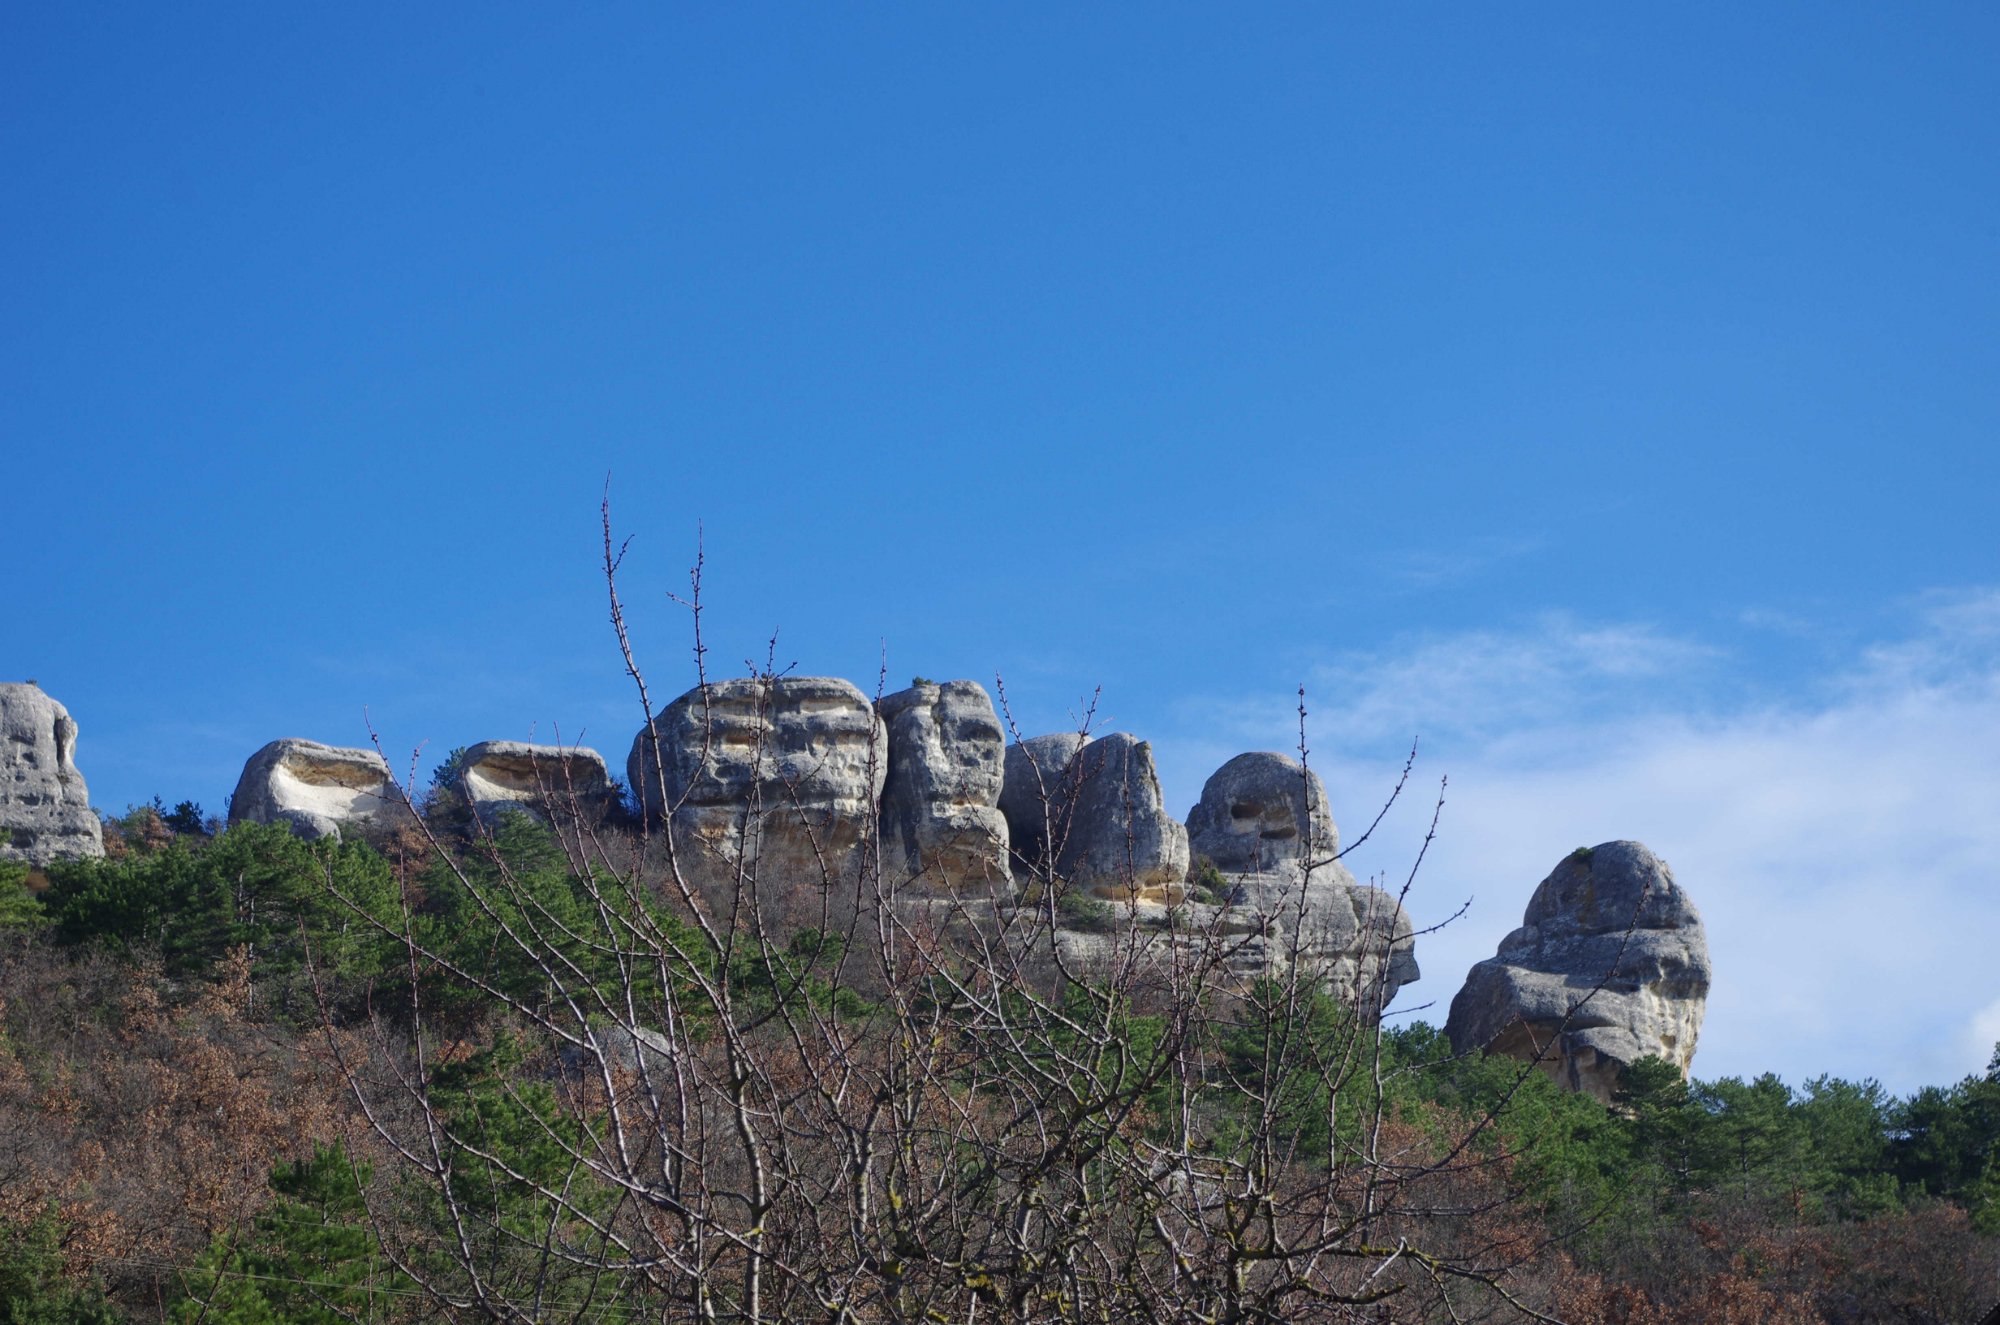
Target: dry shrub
x=146 y=1115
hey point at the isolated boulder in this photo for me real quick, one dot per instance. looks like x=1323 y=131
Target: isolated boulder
x=1610 y=965
x=549 y=782
x=1121 y=840
x=1038 y=792
x=777 y=776
x=1257 y=812
x=941 y=823
x=45 y=809
x=314 y=788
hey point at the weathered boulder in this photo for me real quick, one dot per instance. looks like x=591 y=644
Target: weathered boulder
x=1038 y=791
x=1265 y=822
x=560 y=782
x=941 y=823
x=1121 y=840
x=1610 y=964
x=777 y=776
x=1355 y=936
x=45 y=809
x=314 y=788
x=1254 y=814
x=619 y=1051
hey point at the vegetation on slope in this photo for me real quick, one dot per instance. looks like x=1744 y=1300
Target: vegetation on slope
x=181 y=1020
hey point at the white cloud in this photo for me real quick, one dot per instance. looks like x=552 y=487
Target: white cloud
x=1843 y=844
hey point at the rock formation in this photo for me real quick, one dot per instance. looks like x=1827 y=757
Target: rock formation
x=1097 y=805
x=941 y=823
x=620 y=1050
x=1253 y=815
x=45 y=809
x=1264 y=821
x=571 y=781
x=1610 y=964
x=780 y=776
x=1121 y=840
x=1037 y=792
x=315 y=788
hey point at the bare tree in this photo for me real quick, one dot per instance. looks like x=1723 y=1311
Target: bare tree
x=833 y=1095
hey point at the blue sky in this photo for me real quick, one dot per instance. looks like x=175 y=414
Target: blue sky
x=1609 y=398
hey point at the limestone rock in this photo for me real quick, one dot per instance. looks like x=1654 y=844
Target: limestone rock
x=315 y=788
x=1356 y=938
x=1121 y=840
x=780 y=776
x=621 y=1051
x=1265 y=822
x=1611 y=913
x=941 y=823
x=570 y=781
x=45 y=809
x=1038 y=791
x=1254 y=812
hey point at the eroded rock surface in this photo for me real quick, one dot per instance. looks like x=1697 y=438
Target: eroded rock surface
x=1265 y=823
x=545 y=781
x=942 y=827
x=314 y=788
x=45 y=809
x=1257 y=812
x=1355 y=938
x=1121 y=840
x=1038 y=791
x=1610 y=914
x=1096 y=805
x=777 y=776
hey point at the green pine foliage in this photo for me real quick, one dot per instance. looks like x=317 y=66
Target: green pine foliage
x=506 y=1142
x=256 y=887
x=19 y=907
x=310 y=1258
x=34 y=1290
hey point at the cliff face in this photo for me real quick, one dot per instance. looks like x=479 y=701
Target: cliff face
x=44 y=805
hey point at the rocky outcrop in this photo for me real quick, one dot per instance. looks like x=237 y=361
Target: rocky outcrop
x=1096 y=805
x=549 y=782
x=1265 y=823
x=1610 y=964
x=777 y=776
x=45 y=809
x=942 y=828
x=1355 y=938
x=1121 y=840
x=1257 y=813
x=1038 y=791
x=314 y=788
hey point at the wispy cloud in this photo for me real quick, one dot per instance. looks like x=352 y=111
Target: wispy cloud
x=1429 y=568
x=1489 y=684
x=1841 y=840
